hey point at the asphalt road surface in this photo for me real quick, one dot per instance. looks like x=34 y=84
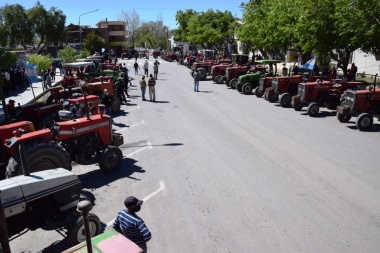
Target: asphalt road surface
x=224 y=172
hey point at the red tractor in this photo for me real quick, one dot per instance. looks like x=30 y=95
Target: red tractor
x=204 y=67
x=365 y=104
x=218 y=71
x=233 y=72
x=171 y=57
x=321 y=93
x=283 y=88
x=52 y=147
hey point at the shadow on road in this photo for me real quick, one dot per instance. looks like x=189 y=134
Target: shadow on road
x=374 y=129
x=206 y=91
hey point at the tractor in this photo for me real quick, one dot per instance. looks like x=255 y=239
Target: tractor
x=283 y=88
x=233 y=72
x=218 y=72
x=321 y=93
x=246 y=83
x=171 y=57
x=47 y=200
x=204 y=67
x=365 y=104
x=52 y=147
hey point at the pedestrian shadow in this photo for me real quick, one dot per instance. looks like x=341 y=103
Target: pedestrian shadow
x=161 y=102
x=206 y=91
x=120 y=113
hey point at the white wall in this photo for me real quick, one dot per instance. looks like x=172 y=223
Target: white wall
x=366 y=62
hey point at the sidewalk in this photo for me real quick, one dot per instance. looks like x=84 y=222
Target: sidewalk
x=24 y=95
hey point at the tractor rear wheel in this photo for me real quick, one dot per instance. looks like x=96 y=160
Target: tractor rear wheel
x=110 y=159
x=213 y=78
x=343 y=118
x=247 y=88
x=259 y=93
x=40 y=155
x=219 y=79
x=313 y=109
x=364 y=121
x=202 y=74
x=233 y=83
x=271 y=97
x=115 y=105
x=76 y=231
x=285 y=100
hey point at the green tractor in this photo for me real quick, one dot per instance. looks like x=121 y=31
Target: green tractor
x=247 y=83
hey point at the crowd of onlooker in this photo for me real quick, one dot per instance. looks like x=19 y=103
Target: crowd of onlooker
x=14 y=79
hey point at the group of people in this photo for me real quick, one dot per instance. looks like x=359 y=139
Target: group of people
x=14 y=78
x=151 y=86
x=146 y=68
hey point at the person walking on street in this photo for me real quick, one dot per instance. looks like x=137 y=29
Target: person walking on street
x=152 y=88
x=155 y=69
x=136 y=66
x=132 y=226
x=52 y=71
x=143 y=87
x=47 y=80
x=126 y=82
x=196 y=80
x=120 y=87
x=146 y=67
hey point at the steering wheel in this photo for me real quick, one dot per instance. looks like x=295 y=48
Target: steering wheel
x=49 y=125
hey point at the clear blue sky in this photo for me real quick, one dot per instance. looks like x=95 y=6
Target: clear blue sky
x=147 y=9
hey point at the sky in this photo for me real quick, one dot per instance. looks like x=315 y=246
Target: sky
x=148 y=10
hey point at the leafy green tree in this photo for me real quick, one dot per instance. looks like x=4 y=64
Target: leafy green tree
x=38 y=17
x=85 y=53
x=94 y=43
x=55 y=26
x=67 y=54
x=183 y=18
x=7 y=59
x=18 y=26
x=42 y=61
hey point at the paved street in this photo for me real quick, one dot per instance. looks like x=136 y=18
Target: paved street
x=225 y=172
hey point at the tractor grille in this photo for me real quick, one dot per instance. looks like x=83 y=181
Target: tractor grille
x=350 y=99
x=274 y=83
x=301 y=90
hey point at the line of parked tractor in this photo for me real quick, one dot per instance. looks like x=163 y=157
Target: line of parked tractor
x=348 y=98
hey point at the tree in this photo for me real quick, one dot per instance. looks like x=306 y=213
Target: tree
x=94 y=43
x=67 y=54
x=17 y=25
x=183 y=18
x=38 y=17
x=133 y=22
x=7 y=59
x=42 y=61
x=55 y=26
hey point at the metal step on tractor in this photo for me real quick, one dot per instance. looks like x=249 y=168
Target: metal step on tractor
x=59 y=143
x=248 y=82
x=363 y=104
x=45 y=199
x=322 y=93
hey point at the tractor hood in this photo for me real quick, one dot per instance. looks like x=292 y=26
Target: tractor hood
x=16 y=192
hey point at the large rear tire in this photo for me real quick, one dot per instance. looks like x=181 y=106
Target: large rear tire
x=247 y=88
x=110 y=159
x=219 y=79
x=76 y=231
x=364 y=121
x=41 y=155
x=233 y=83
x=259 y=93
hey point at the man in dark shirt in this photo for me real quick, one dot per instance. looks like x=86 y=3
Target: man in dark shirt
x=131 y=225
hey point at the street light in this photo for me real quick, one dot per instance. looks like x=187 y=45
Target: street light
x=80 y=28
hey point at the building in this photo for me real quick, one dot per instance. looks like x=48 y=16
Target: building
x=114 y=33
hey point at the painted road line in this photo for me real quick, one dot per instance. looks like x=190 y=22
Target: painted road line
x=141 y=149
x=125 y=128
x=161 y=188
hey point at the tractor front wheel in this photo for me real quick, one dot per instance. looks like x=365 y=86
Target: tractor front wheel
x=213 y=78
x=313 y=109
x=219 y=79
x=115 y=105
x=343 y=118
x=110 y=159
x=364 y=121
x=76 y=231
x=233 y=83
x=259 y=93
x=247 y=88
x=40 y=155
x=285 y=100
